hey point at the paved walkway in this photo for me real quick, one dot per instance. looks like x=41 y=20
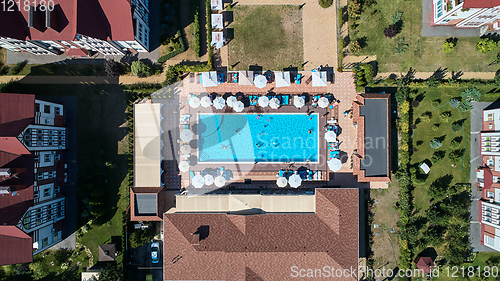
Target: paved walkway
x=87 y=80
x=319 y=30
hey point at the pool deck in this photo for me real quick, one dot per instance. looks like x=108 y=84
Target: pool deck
x=340 y=85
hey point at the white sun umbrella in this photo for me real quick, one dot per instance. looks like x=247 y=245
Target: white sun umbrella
x=260 y=81
x=330 y=136
x=198 y=181
x=184 y=166
x=231 y=100
x=263 y=101
x=206 y=101
x=238 y=106
x=209 y=179
x=334 y=164
x=282 y=182
x=194 y=102
x=323 y=102
x=185 y=149
x=186 y=135
x=219 y=103
x=274 y=103
x=219 y=181
x=299 y=102
x=295 y=181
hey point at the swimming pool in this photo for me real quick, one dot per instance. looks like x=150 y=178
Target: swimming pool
x=258 y=137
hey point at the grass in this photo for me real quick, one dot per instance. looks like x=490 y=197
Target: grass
x=423 y=53
x=422 y=136
x=101 y=136
x=385 y=246
x=269 y=36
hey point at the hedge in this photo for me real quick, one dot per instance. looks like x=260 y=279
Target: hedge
x=196 y=25
x=170 y=55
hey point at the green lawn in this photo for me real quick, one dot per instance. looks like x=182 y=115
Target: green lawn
x=269 y=36
x=423 y=53
x=423 y=134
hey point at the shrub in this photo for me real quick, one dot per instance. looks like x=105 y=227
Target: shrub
x=432 y=82
x=448 y=46
x=340 y=15
x=19 y=67
x=196 y=27
x=471 y=93
x=445 y=116
x=140 y=237
x=435 y=143
x=486 y=45
x=355 y=47
x=325 y=3
x=497 y=78
x=170 y=55
x=401 y=46
x=404 y=108
x=396 y=17
x=435 y=103
x=341 y=43
x=454 y=103
x=456 y=156
x=141 y=69
x=112 y=68
x=466 y=105
x=389 y=81
x=455 y=127
x=454 y=144
x=438 y=156
x=354 y=9
x=435 y=127
x=426 y=117
x=391 y=31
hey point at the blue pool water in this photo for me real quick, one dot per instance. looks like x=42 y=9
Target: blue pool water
x=262 y=138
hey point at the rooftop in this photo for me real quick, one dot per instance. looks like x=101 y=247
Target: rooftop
x=263 y=247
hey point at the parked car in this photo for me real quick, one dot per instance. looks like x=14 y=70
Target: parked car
x=155 y=248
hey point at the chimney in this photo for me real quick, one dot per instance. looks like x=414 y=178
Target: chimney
x=195 y=240
x=4 y=190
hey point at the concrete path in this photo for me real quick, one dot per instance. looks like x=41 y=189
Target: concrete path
x=319 y=30
x=88 y=80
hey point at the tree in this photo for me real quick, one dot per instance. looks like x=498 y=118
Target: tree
x=354 y=9
x=111 y=273
x=438 y=156
x=455 y=127
x=355 y=47
x=454 y=144
x=486 y=45
x=447 y=46
x=471 y=94
x=391 y=31
x=112 y=68
x=436 y=144
x=325 y=3
x=140 y=237
x=456 y=156
x=454 y=103
x=141 y=69
x=445 y=116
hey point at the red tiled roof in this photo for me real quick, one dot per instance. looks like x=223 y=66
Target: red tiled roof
x=101 y=19
x=16 y=246
x=11 y=145
x=425 y=263
x=14 y=107
x=480 y=3
x=159 y=206
x=263 y=247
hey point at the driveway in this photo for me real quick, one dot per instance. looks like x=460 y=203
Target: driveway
x=141 y=258
x=475 y=128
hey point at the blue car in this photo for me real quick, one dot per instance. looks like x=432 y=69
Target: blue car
x=155 y=248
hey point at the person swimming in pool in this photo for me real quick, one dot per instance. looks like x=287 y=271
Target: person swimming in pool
x=310 y=131
x=224 y=146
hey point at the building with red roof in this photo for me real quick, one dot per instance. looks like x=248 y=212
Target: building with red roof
x=32 y=174
x=466 y=13
x=108 y=27
x=270 y=246
x=488 y=177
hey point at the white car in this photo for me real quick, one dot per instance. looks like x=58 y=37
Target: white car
x=155 y=248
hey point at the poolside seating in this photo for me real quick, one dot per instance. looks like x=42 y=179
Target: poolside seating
x=285 y=100
x=191 y=174
x=331 y=121
x=185 y=118
x=335 y=154
x=298 y=78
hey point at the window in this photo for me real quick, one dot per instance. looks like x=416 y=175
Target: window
x=37 y=107
x=37 y=158
x=490 y=194
x=57 y=189
x=488 y=209
x=35 y=194
x=57 y=110
x=46 y=108
x=57 y=157
x=45 y=242
x=40 y=176
x=46 y=192
x=46 y=158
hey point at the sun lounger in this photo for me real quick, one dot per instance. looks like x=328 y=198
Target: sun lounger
x=191 y=174
x=331 y=121
x=320 y=175
x=298 y=79
x=285 y=100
